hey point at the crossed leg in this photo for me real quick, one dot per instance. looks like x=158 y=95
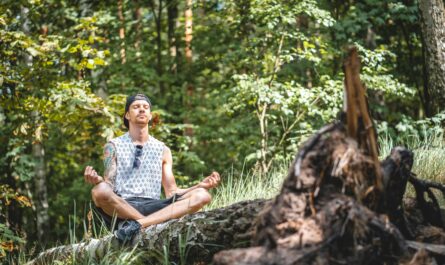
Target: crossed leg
x=105 y=198
x=190 y=202
x=112 y=204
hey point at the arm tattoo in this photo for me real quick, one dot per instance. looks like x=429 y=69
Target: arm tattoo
x=110 y=162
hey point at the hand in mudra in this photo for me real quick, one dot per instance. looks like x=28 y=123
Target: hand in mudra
x=211 y=181
x=91 y=176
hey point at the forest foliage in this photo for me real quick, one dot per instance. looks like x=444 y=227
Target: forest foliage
x=261 y=76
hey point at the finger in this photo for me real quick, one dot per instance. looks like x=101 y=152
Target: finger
x=217 y=180
x=98 y=180
x=90 y=179
x=95 y=179
x=87 y=170
x=87 y=173
x=213 y=181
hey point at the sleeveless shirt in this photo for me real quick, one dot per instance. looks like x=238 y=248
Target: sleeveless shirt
x=144 y=181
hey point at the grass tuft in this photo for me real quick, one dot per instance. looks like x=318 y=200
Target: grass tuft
x=248 y=186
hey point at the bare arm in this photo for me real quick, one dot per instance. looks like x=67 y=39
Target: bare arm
x=109 y=159
x=168 y=179
x=110 y=163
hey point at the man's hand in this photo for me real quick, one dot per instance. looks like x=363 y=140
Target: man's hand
x=210 y=181
x=91 y=176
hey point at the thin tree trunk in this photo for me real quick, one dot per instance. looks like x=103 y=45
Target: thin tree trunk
x=172 y=13
x=137 y=43
x=120 y=14
x=426 y=93
x=188 y=31
x=40 y=192
x=158 y=23
x=189 y=59
x=433 y=31
x=261 y=115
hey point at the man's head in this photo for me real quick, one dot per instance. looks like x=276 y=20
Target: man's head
x=137 y=107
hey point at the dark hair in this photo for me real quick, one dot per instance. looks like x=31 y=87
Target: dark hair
x=130 y=100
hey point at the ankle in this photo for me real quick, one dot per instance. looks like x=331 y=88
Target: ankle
x=141 y=223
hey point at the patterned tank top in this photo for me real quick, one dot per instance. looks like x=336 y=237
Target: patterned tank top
x=144 y=181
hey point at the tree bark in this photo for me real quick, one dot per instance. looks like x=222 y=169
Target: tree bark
x=120 y=13
x=188 y=31
x=205 y=233
x=138 y=29
x=433 y=32
x=158 y=23
x=172 y=14
x=40 y=193
x=40 y=199
x=190 y=89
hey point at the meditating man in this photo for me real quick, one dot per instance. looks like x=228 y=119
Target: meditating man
x=136 y=164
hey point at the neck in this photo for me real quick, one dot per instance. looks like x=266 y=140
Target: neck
x=139 y=135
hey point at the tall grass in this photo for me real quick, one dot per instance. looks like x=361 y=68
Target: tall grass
x=429 y=155
x=248 y=186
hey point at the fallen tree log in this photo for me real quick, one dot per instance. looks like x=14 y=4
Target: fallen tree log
x=203 y=234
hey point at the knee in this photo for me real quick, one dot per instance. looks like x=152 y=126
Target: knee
x=201 y=198
x=101 y=193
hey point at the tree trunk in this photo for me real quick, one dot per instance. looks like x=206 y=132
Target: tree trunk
x=40 y=193
x=138 y=29
x=158 y=23
x=40 y=199
x=204 y=234
x=190 y=89
x=120 y=13
x=188 y=31
x=433 y=32
x=172 y=13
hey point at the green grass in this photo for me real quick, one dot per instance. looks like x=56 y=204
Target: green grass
x=429 y=157
x=248 y=186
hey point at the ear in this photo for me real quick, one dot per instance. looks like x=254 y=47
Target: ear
x=150 y=116
x=127 y=116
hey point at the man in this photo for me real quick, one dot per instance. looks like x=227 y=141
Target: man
x=136 y=165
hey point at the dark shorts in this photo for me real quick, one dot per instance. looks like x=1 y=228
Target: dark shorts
x=145 y=206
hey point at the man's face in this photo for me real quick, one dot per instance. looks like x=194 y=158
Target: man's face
x=139 y=112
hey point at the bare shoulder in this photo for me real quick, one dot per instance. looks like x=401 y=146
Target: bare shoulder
x=109 y=148
x=167 y=154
